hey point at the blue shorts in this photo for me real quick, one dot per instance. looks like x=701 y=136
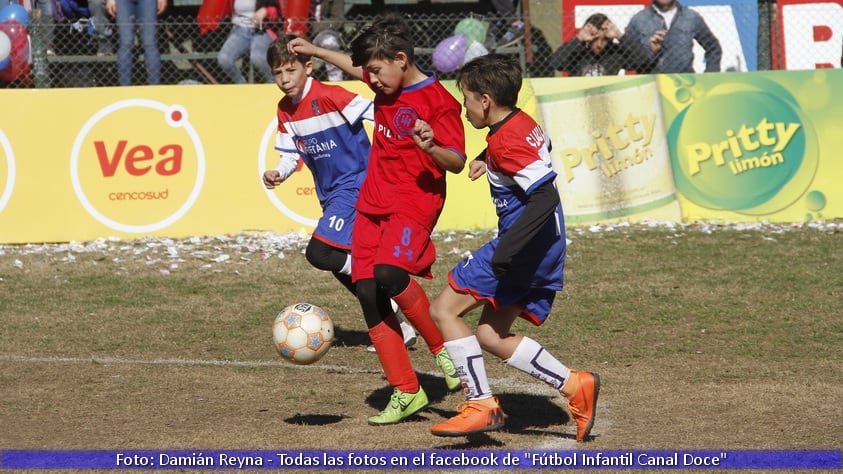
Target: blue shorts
x=337 y=221
x=531 y=284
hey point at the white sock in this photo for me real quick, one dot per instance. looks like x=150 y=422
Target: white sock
x=530 y=357
x=346 y=268
x=468 y=359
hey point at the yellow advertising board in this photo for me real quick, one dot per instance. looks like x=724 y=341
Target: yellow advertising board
x=164 y=161
x=176 y=161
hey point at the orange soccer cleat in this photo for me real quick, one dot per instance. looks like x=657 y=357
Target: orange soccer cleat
x=583 y=403
x=473 y=416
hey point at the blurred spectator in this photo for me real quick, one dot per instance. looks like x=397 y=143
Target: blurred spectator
x=252 y=31
x=327 y=16
x=600 y=49
x=668 y=29
x=101 y=30
x=88 y=15
x=47 y=8
x=144 y=15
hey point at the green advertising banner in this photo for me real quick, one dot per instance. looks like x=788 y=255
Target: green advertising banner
x=730 y=147
x=756 y=146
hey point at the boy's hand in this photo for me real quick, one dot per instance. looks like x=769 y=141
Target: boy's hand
x=476 y=169
x=301 y=46
x=423 y=135
x=272 y=178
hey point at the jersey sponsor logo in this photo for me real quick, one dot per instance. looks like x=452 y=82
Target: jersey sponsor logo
x=404 y=120
x=500 y=203
x=138 y=165
x=314 y=147
x=536 y=137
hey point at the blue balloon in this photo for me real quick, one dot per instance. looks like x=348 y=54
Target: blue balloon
x=15 y=12
x=449 y=53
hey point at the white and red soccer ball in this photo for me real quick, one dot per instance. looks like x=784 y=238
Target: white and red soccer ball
x=302 y=333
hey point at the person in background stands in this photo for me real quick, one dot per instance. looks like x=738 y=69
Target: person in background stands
x=142 y=14
x=600 y=49
x=668 y=30
x=252 y=30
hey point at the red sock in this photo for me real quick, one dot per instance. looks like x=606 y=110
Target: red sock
x=389 y=343
x=416 y=308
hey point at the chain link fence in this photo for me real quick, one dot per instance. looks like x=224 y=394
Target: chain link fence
x=80 y=55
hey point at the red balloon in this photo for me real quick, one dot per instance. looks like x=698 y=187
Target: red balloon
x=20 y=68
x=16 y=31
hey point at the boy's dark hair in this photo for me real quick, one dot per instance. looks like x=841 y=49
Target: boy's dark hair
x=384 y=39
x=597 y=20
x=278 y=54
x=497 y=75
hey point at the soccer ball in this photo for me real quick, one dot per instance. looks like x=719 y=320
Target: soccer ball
x=303 y=333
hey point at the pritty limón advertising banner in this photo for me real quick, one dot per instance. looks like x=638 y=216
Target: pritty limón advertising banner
x=176 y=161
x=762 y=146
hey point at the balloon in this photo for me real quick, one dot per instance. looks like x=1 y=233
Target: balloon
x=15 y=12
x=474 y=50
x=19 y=67
x=16 y=31
x=5 y=50
x=448 y=54
x=472 y=29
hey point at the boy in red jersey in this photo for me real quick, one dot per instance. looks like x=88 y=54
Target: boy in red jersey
x=519 y=272
x=418 y=136
x=322 y=125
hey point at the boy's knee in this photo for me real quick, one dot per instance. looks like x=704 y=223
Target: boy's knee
x=438 y=313
x=393 y=278
x=487 y=337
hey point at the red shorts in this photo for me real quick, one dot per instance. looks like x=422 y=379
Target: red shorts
x=393 y=240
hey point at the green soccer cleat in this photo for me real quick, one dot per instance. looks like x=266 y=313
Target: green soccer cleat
x=443 y=360
x=402 y=405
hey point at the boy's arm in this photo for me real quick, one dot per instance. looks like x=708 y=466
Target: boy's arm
x=447 y=159
x=337 y=58
x=540 y=207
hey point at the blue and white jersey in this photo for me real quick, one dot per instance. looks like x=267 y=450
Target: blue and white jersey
x=517 y=163
x=325 y=129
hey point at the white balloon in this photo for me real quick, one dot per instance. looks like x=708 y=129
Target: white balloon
x=474 y=50
x=5 y=49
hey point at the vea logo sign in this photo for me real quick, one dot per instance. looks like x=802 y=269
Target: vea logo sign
x=733 y=22
x=137 y=165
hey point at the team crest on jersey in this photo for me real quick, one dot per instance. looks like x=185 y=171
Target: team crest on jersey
x=314 y=106
x=404 y=120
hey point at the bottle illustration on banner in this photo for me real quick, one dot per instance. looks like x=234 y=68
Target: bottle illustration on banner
x=610 y=153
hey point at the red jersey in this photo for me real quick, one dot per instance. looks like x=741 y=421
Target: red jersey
x=401 y=177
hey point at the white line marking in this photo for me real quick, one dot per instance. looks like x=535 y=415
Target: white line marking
x=183 y=362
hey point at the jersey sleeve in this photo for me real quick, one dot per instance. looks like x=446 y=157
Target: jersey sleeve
x=448 y=131
x=527 y=165
x=358 y=109
x=285 y=144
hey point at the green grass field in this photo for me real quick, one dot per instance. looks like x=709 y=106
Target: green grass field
x=706 y=337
